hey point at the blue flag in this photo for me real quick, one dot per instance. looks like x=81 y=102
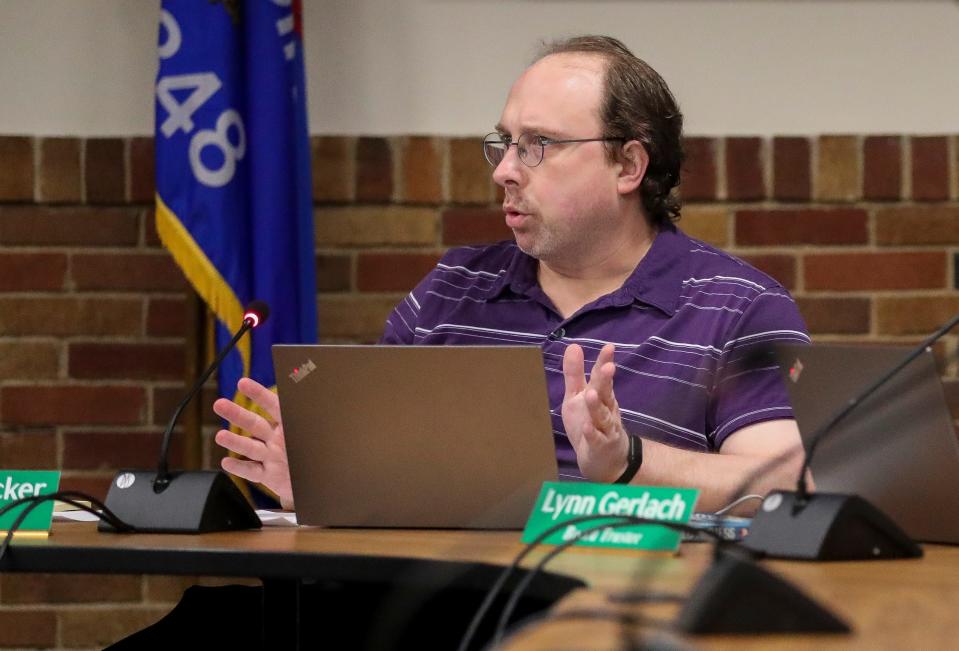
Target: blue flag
x=233 y=202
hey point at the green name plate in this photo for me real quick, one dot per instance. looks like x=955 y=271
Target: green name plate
x=560 y=502
x=17 y=484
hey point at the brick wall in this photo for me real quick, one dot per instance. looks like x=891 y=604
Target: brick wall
x=864 y=230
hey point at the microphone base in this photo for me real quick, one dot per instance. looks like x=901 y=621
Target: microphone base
x=736 y=596
x=193 y=502
x=826 y=527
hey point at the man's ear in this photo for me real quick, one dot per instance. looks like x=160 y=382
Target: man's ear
x=634 y=161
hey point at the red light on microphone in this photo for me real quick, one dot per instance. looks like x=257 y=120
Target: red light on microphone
x=253 y=318
x=256 y=313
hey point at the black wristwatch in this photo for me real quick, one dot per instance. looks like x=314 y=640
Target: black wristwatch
x=634 y=459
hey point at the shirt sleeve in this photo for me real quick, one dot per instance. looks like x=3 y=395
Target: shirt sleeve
x=401 y=324
x=748 y=388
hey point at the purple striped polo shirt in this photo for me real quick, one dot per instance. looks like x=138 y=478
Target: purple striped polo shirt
x=684 y=324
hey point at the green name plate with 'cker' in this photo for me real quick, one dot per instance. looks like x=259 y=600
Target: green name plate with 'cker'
x=17 y=484
x=560 y=502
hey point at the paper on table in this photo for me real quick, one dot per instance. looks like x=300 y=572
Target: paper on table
x=268 y=518
x=277 y=518
x=74 y=516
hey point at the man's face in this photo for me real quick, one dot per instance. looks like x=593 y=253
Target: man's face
x=565 y=210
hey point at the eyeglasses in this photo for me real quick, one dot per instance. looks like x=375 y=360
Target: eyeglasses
x=529 y=146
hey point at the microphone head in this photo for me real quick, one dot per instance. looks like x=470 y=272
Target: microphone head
x=256 y=313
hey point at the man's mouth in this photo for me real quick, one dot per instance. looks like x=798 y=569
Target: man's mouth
x=515 y=217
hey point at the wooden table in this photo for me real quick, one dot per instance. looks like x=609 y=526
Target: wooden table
x=902 y=604
x=889 y=604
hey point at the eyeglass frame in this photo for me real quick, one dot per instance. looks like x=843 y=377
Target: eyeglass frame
x=544 y=142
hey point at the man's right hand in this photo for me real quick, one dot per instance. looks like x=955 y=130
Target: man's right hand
x=591 y=415
x=264 y=448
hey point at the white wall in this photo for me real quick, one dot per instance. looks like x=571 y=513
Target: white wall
x=86 y=67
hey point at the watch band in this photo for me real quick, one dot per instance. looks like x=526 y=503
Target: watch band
x=634 y=459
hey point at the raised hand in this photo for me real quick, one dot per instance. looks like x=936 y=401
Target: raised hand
x=591 y=415
x=265 y=448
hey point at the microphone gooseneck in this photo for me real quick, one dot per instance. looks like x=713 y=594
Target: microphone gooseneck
x=802 y=485
x=255 y=314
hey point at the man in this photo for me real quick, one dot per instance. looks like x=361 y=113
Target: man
x=588 y=153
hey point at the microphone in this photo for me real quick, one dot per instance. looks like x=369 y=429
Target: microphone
x=256 y=313
x=832 y=526
x=186 y=501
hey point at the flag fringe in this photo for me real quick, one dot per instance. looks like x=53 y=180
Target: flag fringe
x=211 y=287
x=202 y=274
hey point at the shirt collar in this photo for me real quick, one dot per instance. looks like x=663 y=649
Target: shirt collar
x=520 y=275
x=657 y=279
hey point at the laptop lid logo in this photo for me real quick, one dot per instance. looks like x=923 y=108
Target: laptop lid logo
x=302 y=370
x=795 y=371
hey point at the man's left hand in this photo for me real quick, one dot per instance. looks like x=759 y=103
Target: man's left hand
x=591 y=415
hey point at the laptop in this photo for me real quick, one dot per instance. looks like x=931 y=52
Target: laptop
x=897 y=449
x=415 y=436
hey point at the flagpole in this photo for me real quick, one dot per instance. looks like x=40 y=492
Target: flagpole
x=196 y=354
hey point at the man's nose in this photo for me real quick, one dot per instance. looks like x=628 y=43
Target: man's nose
x=511 y=169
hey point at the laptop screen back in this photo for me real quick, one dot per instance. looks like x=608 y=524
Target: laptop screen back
x=897 y=449
x=409 y=436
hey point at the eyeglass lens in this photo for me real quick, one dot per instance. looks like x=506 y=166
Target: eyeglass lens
x=528 y=147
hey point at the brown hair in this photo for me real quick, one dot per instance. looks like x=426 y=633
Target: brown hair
x=637 y=105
